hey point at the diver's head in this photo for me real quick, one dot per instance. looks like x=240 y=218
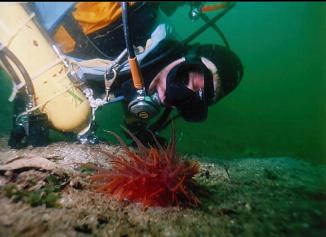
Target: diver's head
x=190 y=88
x=221 y=70
x=194 y=82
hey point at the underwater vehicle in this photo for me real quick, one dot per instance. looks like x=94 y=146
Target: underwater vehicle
x=65 y=63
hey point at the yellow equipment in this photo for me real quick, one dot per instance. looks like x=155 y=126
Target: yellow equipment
x=67 y=108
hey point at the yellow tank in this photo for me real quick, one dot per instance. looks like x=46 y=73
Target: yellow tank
x=67 y=108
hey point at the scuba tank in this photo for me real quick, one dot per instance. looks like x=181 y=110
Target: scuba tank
x=35 y=62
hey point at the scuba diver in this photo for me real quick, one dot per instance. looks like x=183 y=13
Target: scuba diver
x=161 y=74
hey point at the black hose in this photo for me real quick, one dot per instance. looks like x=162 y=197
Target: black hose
x=9 y=68
x=127 y=35
x=28 y=81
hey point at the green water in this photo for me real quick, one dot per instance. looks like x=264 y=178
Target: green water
x=279 y=107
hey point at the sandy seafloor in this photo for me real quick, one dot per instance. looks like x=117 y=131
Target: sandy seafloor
x=278 y=196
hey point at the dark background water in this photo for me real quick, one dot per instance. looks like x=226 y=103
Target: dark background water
x=278 y=109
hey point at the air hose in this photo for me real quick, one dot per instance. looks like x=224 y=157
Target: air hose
x=6 y=53
x=134 y=67
x=141 y=106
